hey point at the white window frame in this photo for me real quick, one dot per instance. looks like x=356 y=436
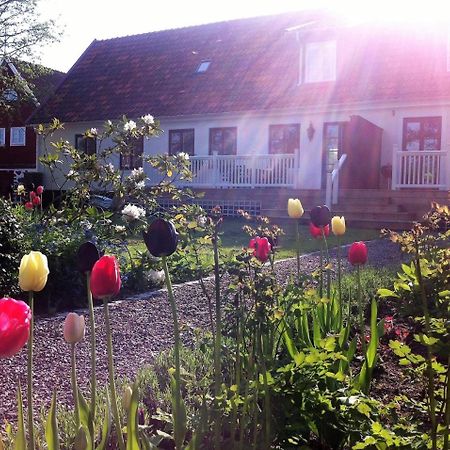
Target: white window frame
x=321 y=48
x=21 y=143
x=2 y=137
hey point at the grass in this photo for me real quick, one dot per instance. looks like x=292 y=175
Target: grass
x=234 y=239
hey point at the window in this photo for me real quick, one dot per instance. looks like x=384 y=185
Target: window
x=284 y=138
x=2 y=137
x=85 y=144
x=203 y=66
x=318 y=62
x=223 y=140
x=422 y=133
x=181 y=141
x=132 y=157
x=17 y=136
x=332 y=145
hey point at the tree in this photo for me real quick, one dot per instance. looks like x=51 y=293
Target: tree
x=23 y=30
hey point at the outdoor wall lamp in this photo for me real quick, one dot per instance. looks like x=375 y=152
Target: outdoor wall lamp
x=310 y=131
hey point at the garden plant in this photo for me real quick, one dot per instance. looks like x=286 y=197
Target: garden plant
x=284 y=364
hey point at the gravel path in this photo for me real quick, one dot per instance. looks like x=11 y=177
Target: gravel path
x=142 y=327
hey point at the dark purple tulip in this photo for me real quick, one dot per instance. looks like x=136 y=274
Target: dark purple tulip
x=320 y=216
x=87 y=256
x=161 y=238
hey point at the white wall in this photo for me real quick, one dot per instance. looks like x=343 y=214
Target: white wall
x=253 y=132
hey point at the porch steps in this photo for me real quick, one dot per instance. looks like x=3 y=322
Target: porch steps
x=380 y=208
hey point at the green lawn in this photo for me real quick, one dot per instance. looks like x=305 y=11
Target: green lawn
x=233 y=238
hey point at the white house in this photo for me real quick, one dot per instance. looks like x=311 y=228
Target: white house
x=300 y=104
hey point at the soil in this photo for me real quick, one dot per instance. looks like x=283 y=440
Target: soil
x=142 y=327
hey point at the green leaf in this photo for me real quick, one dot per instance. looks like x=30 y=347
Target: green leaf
x=387 y=293
x=85 y=415
x=132 y=425
x=20 y=439
x=290 y=346
x=106 y=429
x=51 y=427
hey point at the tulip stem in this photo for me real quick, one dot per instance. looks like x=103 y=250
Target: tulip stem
x=321 y=271
x=31 y=445
x=76 y=400
x=339 y=276
x=112 y=385
x=177 y=413
x=361 y=311
x=328 y=263
x=297 y=237
x=93 y=350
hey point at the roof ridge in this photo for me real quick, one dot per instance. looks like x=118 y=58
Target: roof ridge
x=220 y=22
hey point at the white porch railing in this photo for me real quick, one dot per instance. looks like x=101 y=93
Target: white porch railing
x=332 y=187
x=244 y=171
x=420 y=169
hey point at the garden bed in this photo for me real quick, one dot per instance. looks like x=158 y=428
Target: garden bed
x=142 y=327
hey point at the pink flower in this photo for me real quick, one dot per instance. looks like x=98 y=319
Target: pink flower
x=261 y=248
x=357 y=254
x=40 y=190
x=29 y=205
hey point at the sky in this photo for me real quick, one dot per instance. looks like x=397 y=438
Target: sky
x=82 y=21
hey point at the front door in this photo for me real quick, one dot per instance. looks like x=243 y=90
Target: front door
x=332 y=146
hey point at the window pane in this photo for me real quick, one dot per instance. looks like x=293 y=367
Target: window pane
x=320 y=61
x=2 y=137
x=18 y=136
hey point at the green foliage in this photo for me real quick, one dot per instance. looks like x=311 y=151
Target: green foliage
x=11 y=246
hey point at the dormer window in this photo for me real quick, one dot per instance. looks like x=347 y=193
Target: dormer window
x=203 y=66
x=318 y=62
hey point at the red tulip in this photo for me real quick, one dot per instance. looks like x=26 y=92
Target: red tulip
x=40 y=190
x=261 y=248
x=29 y=205
x=36 y=201
x=105 y=277
x=316 y=232
x=357 y=253
x=32 y=195
x=15 y=320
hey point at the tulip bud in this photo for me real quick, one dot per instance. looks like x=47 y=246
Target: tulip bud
x=36 y=201
x=32 y=195
x=87 y=256
x=73 y=328
x=338 y=225
x=295 y=208
x=15 y=321
x=40 y=190
x=320 y=216
x=105 y=277
x=33 y=272
x=126 y=397
x=29 y=205
x=357 y=253
x=161 y=238
x=81 y=440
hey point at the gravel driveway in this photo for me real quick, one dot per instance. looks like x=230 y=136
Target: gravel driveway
x=142 y=327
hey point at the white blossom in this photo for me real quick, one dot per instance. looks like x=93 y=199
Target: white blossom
x=202 y=221
x=93 y=131
x=132 y=212
x=20 y=189
x=157 y=276
x=109 y=123
x=129 y=126
x=184 y=155
x=140 y=184
x=137 y=173
x=148 y=119
x=120 y=229
x=110 y=167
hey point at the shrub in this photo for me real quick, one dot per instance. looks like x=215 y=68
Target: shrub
x=12 y=246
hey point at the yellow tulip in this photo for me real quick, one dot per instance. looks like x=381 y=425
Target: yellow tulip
x=33 y=272
x=73 y=328
x=295 y=208
x=338 y=225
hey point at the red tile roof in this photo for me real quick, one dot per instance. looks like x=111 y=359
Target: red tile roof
x=254 y=66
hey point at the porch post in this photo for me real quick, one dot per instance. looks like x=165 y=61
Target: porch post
x=296 y=169
x=394 y=181
x=215 y=168
x=446 y=169
x=328 y=191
